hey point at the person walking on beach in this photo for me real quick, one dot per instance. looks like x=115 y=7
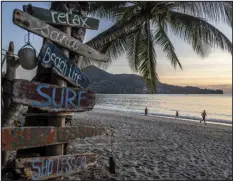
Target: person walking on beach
x=177 y=114
x=146 y=110
x=203 y=114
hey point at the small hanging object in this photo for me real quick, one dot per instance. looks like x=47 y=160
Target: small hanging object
x=27 y=56
x=111 y=160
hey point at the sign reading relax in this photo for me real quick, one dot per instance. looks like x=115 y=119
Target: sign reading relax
x=60 y=18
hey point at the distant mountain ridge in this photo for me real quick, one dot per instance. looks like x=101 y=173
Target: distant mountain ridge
x=107 y=83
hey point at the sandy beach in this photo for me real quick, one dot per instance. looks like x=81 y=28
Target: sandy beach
x=155 y=148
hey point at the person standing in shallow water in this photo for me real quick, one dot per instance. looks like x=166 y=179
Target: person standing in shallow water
x=146 y=110
x=177 y=114
x=203 y=114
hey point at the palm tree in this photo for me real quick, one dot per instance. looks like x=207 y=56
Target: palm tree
x=138 y=26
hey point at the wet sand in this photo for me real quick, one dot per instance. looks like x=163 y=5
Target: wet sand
x=155 y=148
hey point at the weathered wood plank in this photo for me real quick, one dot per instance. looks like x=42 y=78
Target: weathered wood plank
x=29 y=137
x=12 y=64
x=42 y=168
x=52 y=57
x=60 y=18
x=43 y=29
x=51 y=97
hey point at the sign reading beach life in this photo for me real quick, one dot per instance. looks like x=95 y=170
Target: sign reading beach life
x=51 y=57
x=53 y=98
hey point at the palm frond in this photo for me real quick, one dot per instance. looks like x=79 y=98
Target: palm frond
x=128 y=13
x=198 y=32
x=117 y=30
x=107 y=10
x=147 y=55
x=214 y=11
x=133 y=50
x=162 y=39
x=113 y=49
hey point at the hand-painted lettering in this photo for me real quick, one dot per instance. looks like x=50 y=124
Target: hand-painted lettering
x=52 y=57
x=64 y=165
x=44 y=95
x=38 y=170
x=19 y=141
x=53 y=16
x=70 y=100
x=54 y=98
x=46 y=58
x=80 y=96
x=63 y=16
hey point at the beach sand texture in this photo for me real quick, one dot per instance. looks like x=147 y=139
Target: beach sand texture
x=155 y=148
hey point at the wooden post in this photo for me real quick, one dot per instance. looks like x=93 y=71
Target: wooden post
x=58 y=121
x=12 y=64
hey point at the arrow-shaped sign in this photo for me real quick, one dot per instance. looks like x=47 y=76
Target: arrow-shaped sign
x=43 y=29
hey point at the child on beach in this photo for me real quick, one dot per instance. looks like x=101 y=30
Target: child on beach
x=177 y=114
x=146 y=110
x=203 y=114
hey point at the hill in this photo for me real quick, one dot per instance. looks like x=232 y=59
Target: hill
x=107 y=83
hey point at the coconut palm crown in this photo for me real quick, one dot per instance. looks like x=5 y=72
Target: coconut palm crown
x=139 y=26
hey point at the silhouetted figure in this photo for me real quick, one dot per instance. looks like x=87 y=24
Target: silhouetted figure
x=203 y=114
x=112 y=165
x=177 y=114
x=146 y=110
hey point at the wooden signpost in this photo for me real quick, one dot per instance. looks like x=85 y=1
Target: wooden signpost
x=56 y=100
x=52 y=57
x=51 y=97
x=60 y=18
x=29 y=137
x=41 y=168
x=43 y=29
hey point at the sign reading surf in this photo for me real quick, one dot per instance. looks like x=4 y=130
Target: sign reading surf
x=51 y=57
x=51 y=97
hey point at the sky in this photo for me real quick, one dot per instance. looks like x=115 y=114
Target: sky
x=214 y=71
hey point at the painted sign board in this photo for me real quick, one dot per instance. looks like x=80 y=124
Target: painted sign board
x=52 y=57
x=29 y=137
x=60 y=18
x=42 y=168
x=43 y=29
x=52 y=98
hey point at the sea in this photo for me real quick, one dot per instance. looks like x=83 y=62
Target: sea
x=190 y=106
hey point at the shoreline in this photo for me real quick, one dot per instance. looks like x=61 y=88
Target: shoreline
x=101 y=110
